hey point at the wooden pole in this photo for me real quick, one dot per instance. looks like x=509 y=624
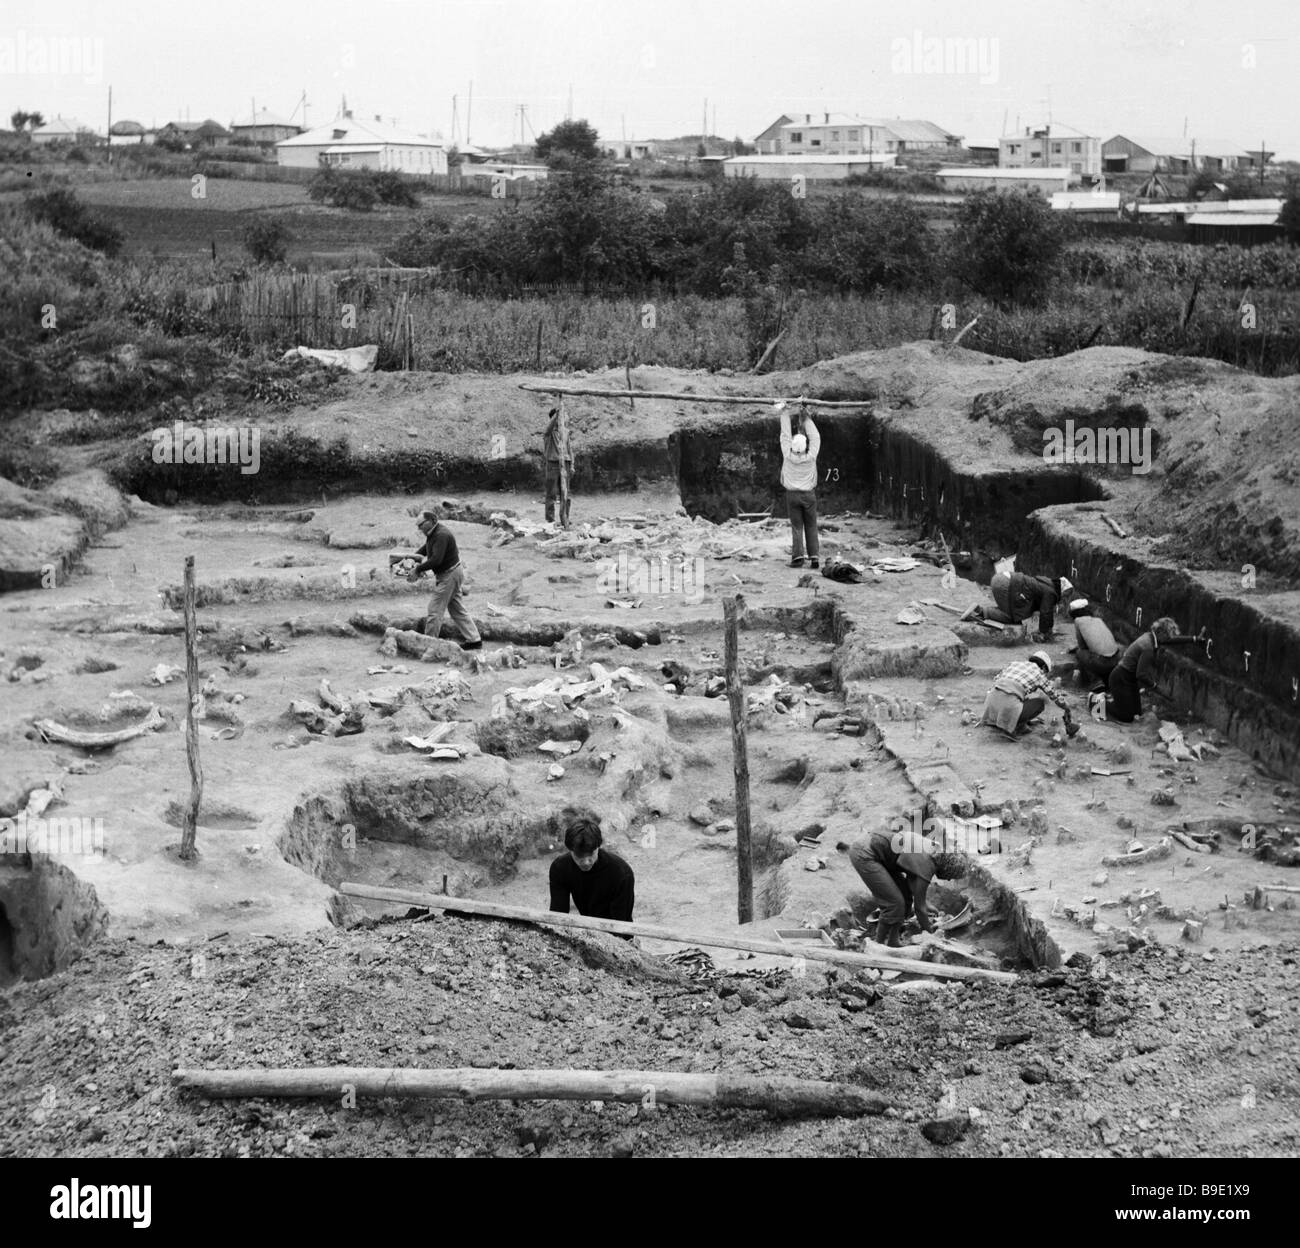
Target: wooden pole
x=765 y=400
x=732 y=608
x=777 y=1094
x=562 y=437
x=552 y=918
x=191 y=819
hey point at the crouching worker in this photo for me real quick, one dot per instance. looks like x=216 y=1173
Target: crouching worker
x=599 y=883
x=1137 y=669
x=1096 y=651
x=898 y=868
x=1018 y=695
x=1018 y=597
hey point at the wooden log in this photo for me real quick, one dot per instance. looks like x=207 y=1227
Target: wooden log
x=779 y=1095
x=552 y=918
x=562 y=440
x=52 y=730
x=765 y=400
x=732 y=607
x=194 y=706
x=1119 y=532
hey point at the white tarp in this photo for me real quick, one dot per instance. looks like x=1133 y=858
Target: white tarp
x=354 y=359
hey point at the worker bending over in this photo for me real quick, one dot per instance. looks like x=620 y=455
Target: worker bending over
x=1019 y=596
x=1095 y=649
x=898 y=868
x=1017 y=696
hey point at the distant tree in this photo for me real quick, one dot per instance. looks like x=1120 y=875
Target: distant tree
x=267 y=240
x=454 y=157
x=740 y=148
x=1006 y=246
x=35 y=120
x=569 y=138
x=701 y=150
x=18 y=119
x=1289 y=219
x=169 y=141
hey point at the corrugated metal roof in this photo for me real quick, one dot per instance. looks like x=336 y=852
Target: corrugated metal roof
x=1059 y=131
x=1179 y=148
x=911 y=131
x=355 y=132
x=987 y=171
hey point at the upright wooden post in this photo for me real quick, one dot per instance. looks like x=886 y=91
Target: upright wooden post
x=191 y=820
x=732 y=608
x=562 y=437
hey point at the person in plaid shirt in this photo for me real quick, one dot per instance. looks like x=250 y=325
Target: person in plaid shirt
x=1020 y=694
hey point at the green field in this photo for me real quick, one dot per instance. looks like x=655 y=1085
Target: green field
x=162 y=218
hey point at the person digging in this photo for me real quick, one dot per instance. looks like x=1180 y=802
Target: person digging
x=898 y=869
x=1017 y=597
x=1019 y=696
x=1136 y=670
x=441 y=557
x=1096 y=652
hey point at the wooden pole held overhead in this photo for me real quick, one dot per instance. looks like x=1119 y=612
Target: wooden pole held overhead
x=764 y=400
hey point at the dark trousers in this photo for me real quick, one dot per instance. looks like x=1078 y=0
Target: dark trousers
x=553 y=490
x=1125 y=701
x=1094 y=666
x=890 y=890
x=802 y=506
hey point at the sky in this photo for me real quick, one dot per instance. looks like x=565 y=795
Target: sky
x=1206 y=69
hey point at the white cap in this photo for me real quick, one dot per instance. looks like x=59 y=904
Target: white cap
x=1078 y=604
x=1043 y=658
x=1066 y=586
x=798 y=444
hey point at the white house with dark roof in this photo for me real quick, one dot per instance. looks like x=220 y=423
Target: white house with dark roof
x=349 y=144
x=1051 y=146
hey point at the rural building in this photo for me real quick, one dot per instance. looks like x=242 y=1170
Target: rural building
x=264 y=127
x=628 y=149
x=1156 y=154
x=1242 y=228
x=125 y=134
x=194 y=134
x=845 y=134
x=814 y=168
x=768 y=143
x=514 y=171
x=1053 y=146
x=349 y=144
x=1086 y=204
x=978 y=178
x=61 y=129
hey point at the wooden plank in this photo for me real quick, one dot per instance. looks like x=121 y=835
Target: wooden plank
x=551 y=918
x=780 y=1095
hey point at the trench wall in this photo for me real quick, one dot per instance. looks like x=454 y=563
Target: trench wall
x=1248 y=686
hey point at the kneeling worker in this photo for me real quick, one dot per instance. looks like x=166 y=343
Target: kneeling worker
x=599 y=882
x=898 y=868
x=1017 y=696
x=1019 y=596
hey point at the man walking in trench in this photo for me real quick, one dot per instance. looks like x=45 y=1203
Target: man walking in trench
x=441 y=557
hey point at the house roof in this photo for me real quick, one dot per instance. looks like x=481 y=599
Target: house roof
x=911 y=131
x=774 y=128
x=1059 y=131
x=348 y=133
x=263 y=117
x=126 y=127
x=1166 y=145
x=210 y=129
x=819 y=159
x=986 y=171
x=60 y=125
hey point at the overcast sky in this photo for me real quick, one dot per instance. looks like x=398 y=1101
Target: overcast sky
x=1213 y=69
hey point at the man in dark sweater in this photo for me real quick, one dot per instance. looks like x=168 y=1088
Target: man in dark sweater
x=441 y=557
x=599 y=882
x=1137 y=669
x=1019 y=596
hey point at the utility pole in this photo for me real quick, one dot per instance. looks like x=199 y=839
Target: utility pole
x=108 y=134
x=1263 y=159
x=704 y=124
x=469 y=112
x=455 y=122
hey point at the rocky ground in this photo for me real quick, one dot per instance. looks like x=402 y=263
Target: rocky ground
x=1168 y=1052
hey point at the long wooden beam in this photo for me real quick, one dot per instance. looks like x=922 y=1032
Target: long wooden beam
x=778 y=1094
x=552 y=918
x=765 y=400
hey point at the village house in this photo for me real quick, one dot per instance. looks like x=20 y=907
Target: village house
x=846 y=134
x=1162 y=154
x=1053 y=146
x=346 y=143
x=264 y=127
x=61 y=129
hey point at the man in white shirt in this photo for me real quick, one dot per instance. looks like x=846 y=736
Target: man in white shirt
x=799 y=447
